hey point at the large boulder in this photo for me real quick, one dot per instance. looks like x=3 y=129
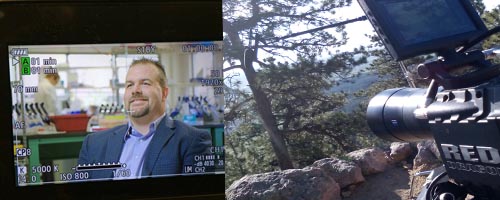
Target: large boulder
x=344 y=172
x=370 y=160
x=428 y=156
x=307 y=183
x=400 y=151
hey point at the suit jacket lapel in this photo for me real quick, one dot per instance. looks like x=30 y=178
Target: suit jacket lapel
x=114 y=148
x=164 y=132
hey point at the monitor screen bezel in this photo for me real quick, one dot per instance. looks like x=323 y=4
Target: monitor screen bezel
x=384 y=26
x=97 y=22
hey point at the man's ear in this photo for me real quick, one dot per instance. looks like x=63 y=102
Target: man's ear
x=164 y=93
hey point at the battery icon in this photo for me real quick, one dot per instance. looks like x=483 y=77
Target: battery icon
x=19 y=52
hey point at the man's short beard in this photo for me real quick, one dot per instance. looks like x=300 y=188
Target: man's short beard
x=140 y=113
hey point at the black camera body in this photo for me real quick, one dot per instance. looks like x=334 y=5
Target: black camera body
x=460 y=112
x=463 y=122
x=469 y=140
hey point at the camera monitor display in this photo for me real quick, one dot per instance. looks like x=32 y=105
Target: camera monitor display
x=77 y=111
x=119 y=99
x=413 y=27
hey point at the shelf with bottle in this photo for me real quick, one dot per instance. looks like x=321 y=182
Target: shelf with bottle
x=106 y=116
x=197 y=110
x=32 y=118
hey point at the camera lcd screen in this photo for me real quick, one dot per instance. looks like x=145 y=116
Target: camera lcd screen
x=80 y=72
x=422 y=20
x=61 y=94
x=411 y=28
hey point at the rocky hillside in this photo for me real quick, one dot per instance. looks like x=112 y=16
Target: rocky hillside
x=370 y=173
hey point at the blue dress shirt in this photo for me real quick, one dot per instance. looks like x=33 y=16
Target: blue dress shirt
x=133 y=151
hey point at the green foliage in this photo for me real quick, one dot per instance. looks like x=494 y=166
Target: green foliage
x=308 y=115
x=264 y=24
x=307 y=148
x=479 y=5
x=248 y=151
x=492 y=19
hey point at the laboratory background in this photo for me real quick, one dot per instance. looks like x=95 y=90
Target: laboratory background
x=61 y=93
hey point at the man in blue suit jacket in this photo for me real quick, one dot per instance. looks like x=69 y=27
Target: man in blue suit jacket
x=151 y=143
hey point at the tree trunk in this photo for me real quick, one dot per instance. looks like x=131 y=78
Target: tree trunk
x=265 y=111
x=262 y=101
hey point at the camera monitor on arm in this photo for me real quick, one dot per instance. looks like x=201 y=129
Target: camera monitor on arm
x=414 y=27
x=118 y=99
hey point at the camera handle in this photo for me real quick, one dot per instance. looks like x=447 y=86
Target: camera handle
x=451 y=59
x=439 y=70
x=436 y=69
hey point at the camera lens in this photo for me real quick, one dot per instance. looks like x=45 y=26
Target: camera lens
x=390 y=115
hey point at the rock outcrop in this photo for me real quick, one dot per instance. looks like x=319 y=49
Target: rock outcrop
x=307 y=183
x=334 y=178
x=344 y=172
x=400 y=151
x=427 y=156
x=370 y=160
